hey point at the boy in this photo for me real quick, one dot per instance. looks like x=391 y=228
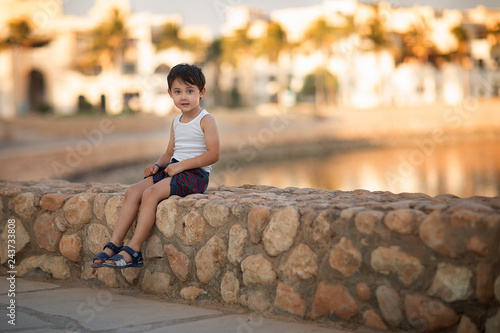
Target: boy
x=183 y=169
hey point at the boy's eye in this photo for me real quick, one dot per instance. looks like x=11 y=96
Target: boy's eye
x=190 y=91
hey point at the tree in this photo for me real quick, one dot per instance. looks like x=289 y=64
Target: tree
x=271 y=45
x=321 y=36
x=108 y=40
x=170 y=37
x=236 y=49
x=106 y=50
x=213 y=55
x=494 y=35
x=417 y=42
x=21 y=36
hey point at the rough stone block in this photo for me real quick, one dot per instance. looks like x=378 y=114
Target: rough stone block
x=428 y=315
x=373 y=320
x=154 y=248
x=256 y=269
x=55 y=265
x=210 y=258
x=179 y=262
x=451 y=283
x=404 y=221
x=24 y=205
x=53 y=201
x=281 y=231
x=257 y=218
x=112 y=209
x=217 y=213
x=289 y=300
x=393 y=260
x=78 y=210
x=166 y=215
x=70 y=246
x=302 y=262
x=237 y=239
x=333 y=298
x=47 y=235
x=229 y=288
x=390 y=305
x=345 y=258
x=155 y=283
x=192 y=230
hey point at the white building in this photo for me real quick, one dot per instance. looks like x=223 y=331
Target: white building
x=51 y=76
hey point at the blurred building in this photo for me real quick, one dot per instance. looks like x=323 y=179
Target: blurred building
x=56 y=73
x=421 y=60
x=386 y=55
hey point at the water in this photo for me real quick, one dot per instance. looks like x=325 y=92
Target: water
x=465 y=169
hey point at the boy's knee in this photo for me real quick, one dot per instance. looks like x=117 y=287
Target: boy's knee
x=149 y=193
x=132 y=193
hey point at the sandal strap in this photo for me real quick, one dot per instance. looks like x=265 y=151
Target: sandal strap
x=113 y=247
x=136 y=256
x=102 y=256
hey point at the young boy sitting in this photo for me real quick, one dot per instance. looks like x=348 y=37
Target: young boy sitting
x=183 y=169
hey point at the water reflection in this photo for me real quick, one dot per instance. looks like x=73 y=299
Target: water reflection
x=462 y=169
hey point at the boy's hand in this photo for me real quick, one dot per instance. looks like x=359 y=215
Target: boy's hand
x=174 y=168
x=151 y=170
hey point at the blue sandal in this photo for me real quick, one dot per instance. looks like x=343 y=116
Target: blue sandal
x=120 y=263
x=103 y=256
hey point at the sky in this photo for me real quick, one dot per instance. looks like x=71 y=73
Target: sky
x=210 y=12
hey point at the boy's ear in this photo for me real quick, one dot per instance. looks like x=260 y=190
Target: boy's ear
x=169 y=93
x=202 y=92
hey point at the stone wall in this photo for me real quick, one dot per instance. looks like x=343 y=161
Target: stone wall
x=386 y=261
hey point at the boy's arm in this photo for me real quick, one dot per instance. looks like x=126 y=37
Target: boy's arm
x=212 y=155
x=165 y=158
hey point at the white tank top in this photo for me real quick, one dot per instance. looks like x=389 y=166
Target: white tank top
x=190 y=139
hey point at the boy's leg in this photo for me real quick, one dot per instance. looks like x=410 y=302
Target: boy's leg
x=149 y=202
x=128 y=213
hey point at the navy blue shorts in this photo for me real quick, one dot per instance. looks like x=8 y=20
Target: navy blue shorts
x=184 y=183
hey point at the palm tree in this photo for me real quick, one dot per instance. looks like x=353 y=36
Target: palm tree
x=237 y=49
x=273 y=43
x=321 y=36
x=21 y=37
x=106 y=49
x=461 y=52
x=108 y=40
x=213 y=56
x=375 y=31
x=494 y=32
x=170 y=37
x=417 y=41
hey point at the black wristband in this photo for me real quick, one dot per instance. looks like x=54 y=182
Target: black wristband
x=157 y=165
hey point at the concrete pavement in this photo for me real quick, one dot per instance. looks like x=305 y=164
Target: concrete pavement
x=63 y=307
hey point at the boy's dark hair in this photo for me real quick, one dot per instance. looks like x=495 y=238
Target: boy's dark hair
x=188 y=74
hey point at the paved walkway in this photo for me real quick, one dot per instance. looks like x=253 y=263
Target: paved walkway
x=60 y=307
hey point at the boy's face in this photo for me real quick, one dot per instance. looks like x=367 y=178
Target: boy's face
x=186 y=97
